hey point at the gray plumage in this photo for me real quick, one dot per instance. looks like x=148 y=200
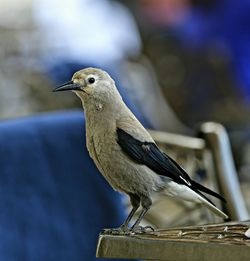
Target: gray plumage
x=123 y=150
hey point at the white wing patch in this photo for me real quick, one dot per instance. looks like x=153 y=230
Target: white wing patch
x=186 y=181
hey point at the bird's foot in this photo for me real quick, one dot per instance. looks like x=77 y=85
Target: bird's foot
x=122 y=230
x=141 y=230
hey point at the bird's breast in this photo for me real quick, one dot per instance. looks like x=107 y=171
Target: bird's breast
x=101 y=139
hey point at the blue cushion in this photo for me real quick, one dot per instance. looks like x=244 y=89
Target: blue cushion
x=53 y=201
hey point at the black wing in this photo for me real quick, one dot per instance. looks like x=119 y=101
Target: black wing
x=149 y=154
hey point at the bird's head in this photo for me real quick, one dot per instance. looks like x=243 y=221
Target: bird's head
x=90 y=83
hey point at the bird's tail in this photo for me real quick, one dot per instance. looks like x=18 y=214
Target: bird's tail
x=212 y=207
x=192 y=194
x=200 y=187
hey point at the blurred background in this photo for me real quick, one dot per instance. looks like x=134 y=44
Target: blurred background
x=195 y=54
x=177 y=63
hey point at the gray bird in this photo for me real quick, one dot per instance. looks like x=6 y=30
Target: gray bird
x=125 y=153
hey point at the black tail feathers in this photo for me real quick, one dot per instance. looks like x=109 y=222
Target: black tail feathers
x=207 y=190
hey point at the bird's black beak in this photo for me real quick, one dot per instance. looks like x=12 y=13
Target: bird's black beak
x=68 y=86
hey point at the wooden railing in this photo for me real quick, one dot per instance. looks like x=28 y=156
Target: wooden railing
x=223 y=242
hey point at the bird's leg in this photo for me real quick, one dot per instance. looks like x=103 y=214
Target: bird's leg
x=146 y=203
x=135 y=202
x=124 y=229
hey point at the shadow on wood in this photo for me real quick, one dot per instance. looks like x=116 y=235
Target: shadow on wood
x=226 y=241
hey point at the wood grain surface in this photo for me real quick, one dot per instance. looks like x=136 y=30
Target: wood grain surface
x=226 y=241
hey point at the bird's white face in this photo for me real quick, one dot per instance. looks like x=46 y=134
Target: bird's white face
x=89 y=83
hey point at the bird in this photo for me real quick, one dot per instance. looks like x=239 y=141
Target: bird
x=126 y=154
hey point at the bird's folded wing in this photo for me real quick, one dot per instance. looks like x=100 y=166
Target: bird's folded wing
x=149 y=154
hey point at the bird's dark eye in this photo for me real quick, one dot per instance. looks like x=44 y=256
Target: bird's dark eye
x=91 y=80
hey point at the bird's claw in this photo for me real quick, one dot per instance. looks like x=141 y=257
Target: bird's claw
x=116 y=231
x=127 y=231
x=142 y=230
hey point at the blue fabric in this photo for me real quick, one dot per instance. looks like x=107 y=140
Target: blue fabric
x=225 y=25
x=53 y=201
